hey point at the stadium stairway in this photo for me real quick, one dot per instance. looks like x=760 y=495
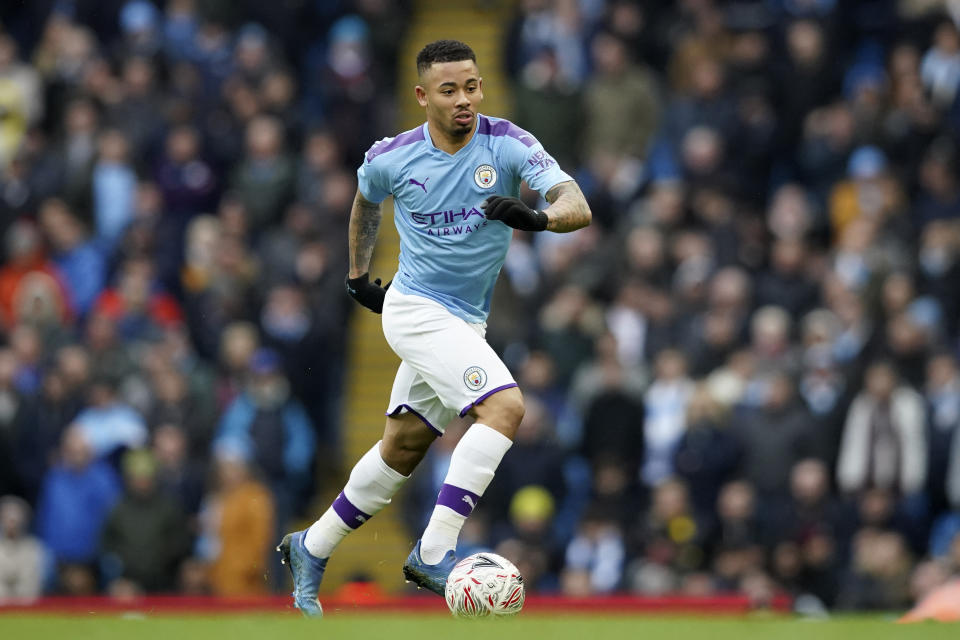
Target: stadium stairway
x=378 y=549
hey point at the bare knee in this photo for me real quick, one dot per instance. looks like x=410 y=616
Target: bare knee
x=502 y=411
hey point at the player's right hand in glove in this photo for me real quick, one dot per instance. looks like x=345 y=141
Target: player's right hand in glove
x=514 y=213
x=369 y=294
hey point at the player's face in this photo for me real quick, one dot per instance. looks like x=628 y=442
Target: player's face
x=450 y=92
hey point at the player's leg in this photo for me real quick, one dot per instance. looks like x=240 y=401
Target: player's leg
x=467 y=376
x=374 y=480
x=472 y=466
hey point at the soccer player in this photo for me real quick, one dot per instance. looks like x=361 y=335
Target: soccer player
x=455 y=181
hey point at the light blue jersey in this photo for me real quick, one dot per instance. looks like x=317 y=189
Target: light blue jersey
x=449 y=252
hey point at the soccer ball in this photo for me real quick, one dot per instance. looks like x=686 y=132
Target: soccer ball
x=484 y=584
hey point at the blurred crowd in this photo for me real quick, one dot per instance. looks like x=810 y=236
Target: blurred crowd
x=742 y=377
x=175 y=187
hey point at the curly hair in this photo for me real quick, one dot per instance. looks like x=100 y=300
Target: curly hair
x=443 y=51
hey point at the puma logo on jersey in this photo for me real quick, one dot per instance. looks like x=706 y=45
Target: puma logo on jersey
x=422 y=185
x=469 y=501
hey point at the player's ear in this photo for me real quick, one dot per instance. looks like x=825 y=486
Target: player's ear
x=421 y=95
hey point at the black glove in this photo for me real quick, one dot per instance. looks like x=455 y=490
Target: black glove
x=369 y=295
x=513 y=213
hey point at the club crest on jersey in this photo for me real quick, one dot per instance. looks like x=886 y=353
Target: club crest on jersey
x=485 y=176
x=475 y=378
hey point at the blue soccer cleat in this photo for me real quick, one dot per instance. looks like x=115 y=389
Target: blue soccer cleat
x=307 y=571
x=429 y=576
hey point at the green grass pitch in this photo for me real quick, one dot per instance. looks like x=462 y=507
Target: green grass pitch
x=437 y=627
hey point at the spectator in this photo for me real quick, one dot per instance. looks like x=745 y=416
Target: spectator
x=666 y=402
x=292 y=328
x=135 y=304
x=136 y=111
x=77 y=149
x=594 y=558
x=320 y=158
x=810 y=533
x=238 y=342
x=943 y=423
x=709 y=453
x=144 y=538
x=109 y=425
x=870 y=193
x=175 y=402
x=216 y=281
x=21 y=103
x=884 y=441
x=186 y=181
x=274 y=427
x=79 y=260
x=880 y=576
x=77 y=495
x=237 y=526
x=22 y=556
x=28 y=278
x=940 y=68
x=737 y=550
x=939 y=197
x=179 y=476
x=770 y=329
x=787 y=284
x=773 y=437
x=114 y=183
x=546 y=102
x=39 y=430
x=9 y=480
x=613 y=422
x=264 y=181
x=953 y=473
x=669 y=538
x=618 y=91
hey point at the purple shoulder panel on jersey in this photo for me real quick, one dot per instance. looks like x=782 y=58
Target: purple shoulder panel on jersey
x=403 y=139
x=488 y=127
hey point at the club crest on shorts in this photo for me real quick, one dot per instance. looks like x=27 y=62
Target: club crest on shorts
x=475 y=378
x=485 y=176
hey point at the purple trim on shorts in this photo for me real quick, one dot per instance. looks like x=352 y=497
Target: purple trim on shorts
x=350 y=515
x=414 y=412
x=485 y=396
x=401 y=140
x=460 y=500
x=504 y=128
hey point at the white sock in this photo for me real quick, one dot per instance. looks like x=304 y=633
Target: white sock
x=472 y=466
x=370 y=488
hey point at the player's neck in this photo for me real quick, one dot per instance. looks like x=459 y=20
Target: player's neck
x=447 y=143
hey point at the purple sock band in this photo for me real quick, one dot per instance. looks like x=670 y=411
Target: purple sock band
x=352 y=516
x=460 y=500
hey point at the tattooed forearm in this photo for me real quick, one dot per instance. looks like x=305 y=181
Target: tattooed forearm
x=568 y=210
x=364 y=225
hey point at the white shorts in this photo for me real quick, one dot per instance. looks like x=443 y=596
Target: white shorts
x=447 y=367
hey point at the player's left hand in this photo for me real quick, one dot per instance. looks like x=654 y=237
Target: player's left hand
x=514 y=213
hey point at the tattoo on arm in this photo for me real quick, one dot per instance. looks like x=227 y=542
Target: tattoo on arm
x=364 y=225
x=568 y=210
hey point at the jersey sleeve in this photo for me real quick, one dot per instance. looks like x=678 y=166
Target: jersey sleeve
x=533 y=164
x=373 y=179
